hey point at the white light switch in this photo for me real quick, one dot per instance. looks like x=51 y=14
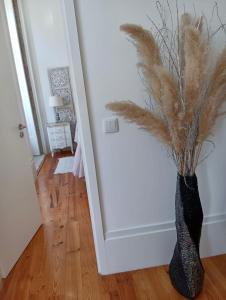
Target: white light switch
x=110 y=125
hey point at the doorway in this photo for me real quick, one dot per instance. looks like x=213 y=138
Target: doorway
x=43 y=71
x=45 y=56
x=30 y=108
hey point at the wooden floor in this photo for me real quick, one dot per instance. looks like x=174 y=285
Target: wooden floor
x=59 y=263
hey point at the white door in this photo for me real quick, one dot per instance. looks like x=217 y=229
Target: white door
x=19 y=210
x=31 y=130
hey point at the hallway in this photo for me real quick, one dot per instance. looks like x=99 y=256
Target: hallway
x=53 y=265
x=60 y=263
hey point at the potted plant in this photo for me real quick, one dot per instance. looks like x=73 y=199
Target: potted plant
x=188 y=90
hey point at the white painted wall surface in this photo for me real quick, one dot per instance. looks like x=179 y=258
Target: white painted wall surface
x=47 y=42
x=136 y=179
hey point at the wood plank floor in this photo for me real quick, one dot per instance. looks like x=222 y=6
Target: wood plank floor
x=59 y=263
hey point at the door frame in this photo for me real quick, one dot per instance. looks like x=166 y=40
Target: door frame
x=80 y=101
x=82 y=112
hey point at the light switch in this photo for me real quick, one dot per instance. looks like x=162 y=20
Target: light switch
x=110 y=125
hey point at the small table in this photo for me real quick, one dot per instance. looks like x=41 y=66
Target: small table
x=59 y=135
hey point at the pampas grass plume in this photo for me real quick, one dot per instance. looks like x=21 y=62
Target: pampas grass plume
x=143 y=118
x=187 y=96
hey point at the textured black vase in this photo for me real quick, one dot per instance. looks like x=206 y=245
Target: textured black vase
x=186 y=270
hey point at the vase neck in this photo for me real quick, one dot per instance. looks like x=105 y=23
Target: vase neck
x=189 y=181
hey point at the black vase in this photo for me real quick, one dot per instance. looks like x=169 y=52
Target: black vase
x=186 y=270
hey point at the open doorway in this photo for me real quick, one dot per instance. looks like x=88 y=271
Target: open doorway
x=43 y=72
x=30 y=107
x=46 y=44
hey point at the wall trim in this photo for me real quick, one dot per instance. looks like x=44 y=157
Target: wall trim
x=153 y=245
x=157 y=227
x=82 y=112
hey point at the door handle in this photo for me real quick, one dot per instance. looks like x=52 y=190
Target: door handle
x=21 y=127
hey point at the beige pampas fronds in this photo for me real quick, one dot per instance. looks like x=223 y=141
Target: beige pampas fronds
x=196 y=62
x=176 y=72
x=171 y=106
x=152 y=81
x=143 y=118
x=216 y=96
x=218 y=79
x=144 y=42
x=169 y=93
x=185 y=20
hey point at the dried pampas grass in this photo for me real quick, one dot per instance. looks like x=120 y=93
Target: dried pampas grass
x=215 y=97
x=144 y=118
x=144 y=42
x=188 y=97
x=196 y=62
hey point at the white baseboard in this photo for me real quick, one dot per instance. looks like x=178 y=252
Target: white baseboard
x=153 y=245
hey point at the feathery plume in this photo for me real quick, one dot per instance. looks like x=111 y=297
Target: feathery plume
x=171 y=106
x=188 y=96
x=152 y=81
x=143 y=118
x=145 y=43
x=216 y=96
x=196 y=54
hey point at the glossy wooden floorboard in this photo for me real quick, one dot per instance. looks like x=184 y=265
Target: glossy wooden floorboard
x=59 y=263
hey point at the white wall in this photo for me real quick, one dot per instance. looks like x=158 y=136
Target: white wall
x=136 y=179
x=46 y=37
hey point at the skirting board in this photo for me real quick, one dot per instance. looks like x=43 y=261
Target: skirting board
x=153 y=245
